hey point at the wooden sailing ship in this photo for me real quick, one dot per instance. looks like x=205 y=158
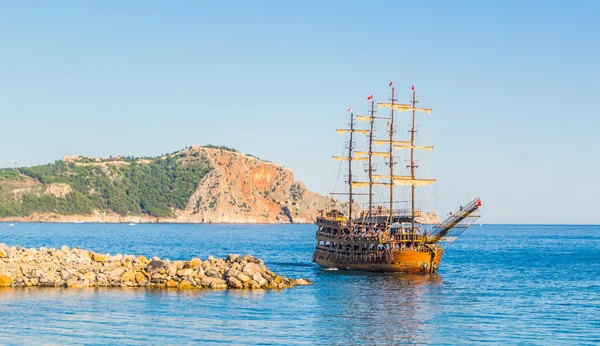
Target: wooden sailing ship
x=382 y=237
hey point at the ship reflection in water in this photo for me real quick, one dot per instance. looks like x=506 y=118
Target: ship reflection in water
x=376 y=308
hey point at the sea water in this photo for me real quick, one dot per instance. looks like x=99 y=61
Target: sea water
x=533 y=284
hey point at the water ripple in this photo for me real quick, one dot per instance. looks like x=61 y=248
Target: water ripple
x=499 y=284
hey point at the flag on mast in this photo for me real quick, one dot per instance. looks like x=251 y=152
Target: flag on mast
x=392 y=82
x=349 y=109
x=413 y=87
x=370 y=97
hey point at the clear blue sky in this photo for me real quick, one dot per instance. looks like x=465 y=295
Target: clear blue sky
x=513 y=85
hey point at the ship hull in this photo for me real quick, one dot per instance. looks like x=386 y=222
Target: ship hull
x=408 y=261
x=338 y=247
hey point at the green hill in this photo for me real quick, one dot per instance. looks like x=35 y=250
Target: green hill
x=80 y=185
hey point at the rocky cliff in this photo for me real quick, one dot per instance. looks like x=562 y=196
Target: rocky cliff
x=194 y=185
x=245 y=189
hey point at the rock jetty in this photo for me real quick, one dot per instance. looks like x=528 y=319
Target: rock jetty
x=65 y=267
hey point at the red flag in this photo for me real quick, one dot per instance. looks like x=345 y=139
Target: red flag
x=370 y=97
x=15 y=163
x=349 y=109
x=413 y=87
x=391 y=83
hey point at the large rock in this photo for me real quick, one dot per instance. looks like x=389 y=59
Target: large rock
x=302 y=282
x=219 y=285
x=251 y=269
x=65 y=275
x=212 y=282
x=172 y=269
x=117 y=258
x=128 y=277
x=243 y=277
x=117 y=273
x=27 y=258
x=156 y=264
x=184 y=272
x=99 y=257
x=142 y=260
x=76 y=283
x=194 y=263
x=185 y=284
x=5 y=281
x=232 y=257
x=91 y=277
x=259 y=279
x=141 y=279
x=234 y=283
x=213 y=273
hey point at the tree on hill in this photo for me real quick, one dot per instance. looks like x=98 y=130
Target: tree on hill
x=155 y=189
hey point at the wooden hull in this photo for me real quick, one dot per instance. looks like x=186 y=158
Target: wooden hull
x=408 y=261
x=338 y=247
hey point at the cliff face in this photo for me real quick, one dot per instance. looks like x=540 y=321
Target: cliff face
x=244 y=189
x=232 y=188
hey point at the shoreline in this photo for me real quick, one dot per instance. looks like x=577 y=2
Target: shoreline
x=156 y=223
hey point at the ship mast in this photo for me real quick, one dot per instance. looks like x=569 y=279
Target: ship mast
x=350 y=158
x=350 y=168
x=412 y=160
x=372 y=118
x=393 y=144
x=391 y=162
x=411 y=179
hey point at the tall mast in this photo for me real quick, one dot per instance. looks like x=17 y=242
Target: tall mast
x=412 y=159
x=371 y=159
x=399 y=179
x=350 y=168
x=351 y=158
x=391 y=162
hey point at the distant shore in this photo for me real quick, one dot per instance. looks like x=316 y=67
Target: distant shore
x=145 y=222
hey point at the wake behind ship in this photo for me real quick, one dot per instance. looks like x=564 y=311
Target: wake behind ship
x=383 y=237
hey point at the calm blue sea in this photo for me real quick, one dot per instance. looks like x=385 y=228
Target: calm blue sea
x=497 y=283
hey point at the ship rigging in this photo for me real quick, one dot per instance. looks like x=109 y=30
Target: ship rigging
x=385 y=238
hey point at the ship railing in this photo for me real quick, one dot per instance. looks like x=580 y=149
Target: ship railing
x=334 y=254
x=371 y=257
x=331 y=221
x=399 y=208
x=405 y=236
x=407 y=212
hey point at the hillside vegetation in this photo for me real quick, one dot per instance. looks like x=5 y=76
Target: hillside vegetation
x=154 y=187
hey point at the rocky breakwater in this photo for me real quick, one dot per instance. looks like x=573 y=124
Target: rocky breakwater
x=65 y=267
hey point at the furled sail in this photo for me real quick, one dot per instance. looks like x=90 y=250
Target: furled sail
x=403 y=107
x=366 y=183
x=374 y=153
x=397 y=106
x=363 y=118
x=405 y=180
x=424 y=147
x=387 y=141
x=415 y=182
